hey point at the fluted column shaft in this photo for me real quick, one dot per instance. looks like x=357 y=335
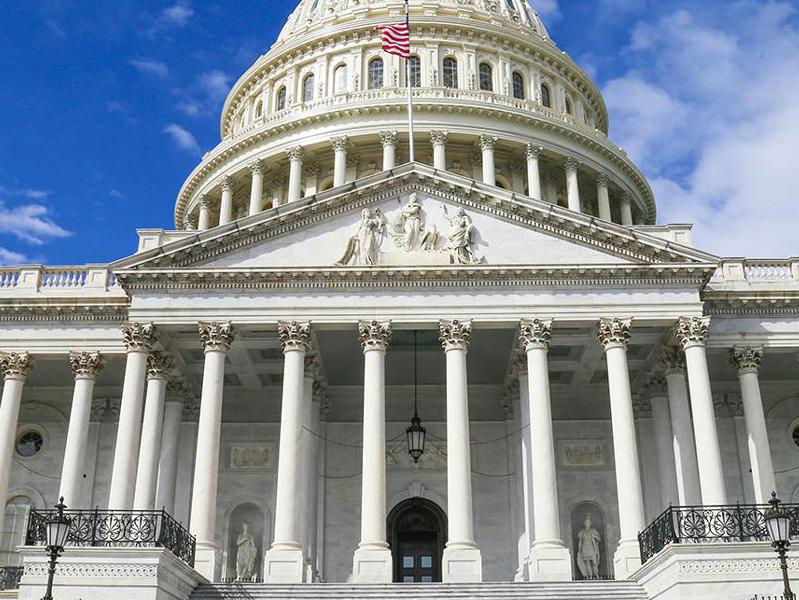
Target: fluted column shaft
x=158 y=366
x=572 y=187
x=216 y=339
x=226 y=206
x=439 y=141
x=308 y=456
x=339 y=160
x=692 y=334
x=487 y=143
x=388 y=139
x=168 y=461
x=661 y=421
x=603 y=198
x=257 y=187
x=15 y=368
x=682 y=428
x=138 y=338
x=626 y=210
x=204 y=220
x=747 y=360
x=295 y=155
x=533 y=172
x=85 y=366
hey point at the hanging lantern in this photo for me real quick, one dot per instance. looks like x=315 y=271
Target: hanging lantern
x=415 y=434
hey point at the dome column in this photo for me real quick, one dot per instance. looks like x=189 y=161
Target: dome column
x=532 y=153
x=388 y=139
x=603 y=199
x=487 y=143
x=692 y=334
x=295 y=155
x=257 y=188
x=462 y=562
x=626 y=210
x=204 y=218
x=339 y=160
x=439 y=141
x=226 y=206
x=614 y=335
x=572 y=186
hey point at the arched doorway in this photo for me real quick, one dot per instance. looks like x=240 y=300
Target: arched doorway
x=417 y=530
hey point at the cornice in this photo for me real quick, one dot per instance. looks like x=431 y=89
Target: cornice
x=731 y=306
x=60 y=313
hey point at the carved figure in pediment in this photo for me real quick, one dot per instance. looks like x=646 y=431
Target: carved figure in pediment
x=364 y=247
x=411 y=233
x=460 y=239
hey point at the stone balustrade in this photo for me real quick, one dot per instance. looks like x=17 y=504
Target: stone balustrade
x=38 y=279
x=739 y=271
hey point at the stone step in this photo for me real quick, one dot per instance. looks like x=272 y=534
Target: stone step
x=599 y=590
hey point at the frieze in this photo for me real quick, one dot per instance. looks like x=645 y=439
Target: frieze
x=712 y=567
x=581 y=454
x=70 y=569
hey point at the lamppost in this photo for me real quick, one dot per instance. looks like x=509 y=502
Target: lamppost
x=778 y=523
x=57 y=530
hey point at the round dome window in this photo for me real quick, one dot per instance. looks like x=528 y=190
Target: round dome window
x=795 y=434
x=29 y=444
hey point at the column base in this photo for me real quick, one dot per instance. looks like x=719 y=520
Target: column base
x=627 y=559
x=372 y=565
x=549 y=562
x=462 y=564
x=284 y=566
x=205 y=561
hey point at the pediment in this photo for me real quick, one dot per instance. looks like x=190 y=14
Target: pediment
x=413 y=217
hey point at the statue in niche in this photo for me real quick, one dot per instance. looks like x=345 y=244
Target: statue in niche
x=460 y=239
x=363 y=248
x=246 y=553
x=588 y=549
x=411 y=233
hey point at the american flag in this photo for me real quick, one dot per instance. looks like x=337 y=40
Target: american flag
x=396 y=39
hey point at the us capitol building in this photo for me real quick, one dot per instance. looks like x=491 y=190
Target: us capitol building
x=227 y=411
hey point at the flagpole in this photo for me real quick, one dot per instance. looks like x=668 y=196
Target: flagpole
x=408 y=81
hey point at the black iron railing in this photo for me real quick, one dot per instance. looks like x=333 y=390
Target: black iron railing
x=709 y=524
x=9 y=577
x=135 y=529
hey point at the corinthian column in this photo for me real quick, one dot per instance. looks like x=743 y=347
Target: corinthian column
x=462 y=562
x=85 y=367
x=614 y=334
x=692 y=334
x=285 y=562
x=656 y=390
x=15 y=368
x=746 y=360
x=138 y=339
x=257 y=187
x=487 y=143
x=216 y=339
x=626 y=210
x=204 y=220
x=682 y=428
x=533 y=171
x=339 y=160
x=159 y=364
x=295 y=155
x=572 y=187
x=548 y=559
x=176 y=392
x=439 y=141
x=388 y=139
x=372 y=563
x=603 y=199
x=226 y=206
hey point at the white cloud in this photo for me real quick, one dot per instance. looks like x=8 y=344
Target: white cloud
x=177 y=14
x=547 y=9
x=708 y=109
x=183 y=138
x=116 y=194
x=30 y=223
x=31 y=193
x=215 y=84
x=9 y=257
x=150 y=67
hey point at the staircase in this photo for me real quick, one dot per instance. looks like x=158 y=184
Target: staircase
x=594 y=590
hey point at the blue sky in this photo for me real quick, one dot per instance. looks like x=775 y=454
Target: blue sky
x=105 y=107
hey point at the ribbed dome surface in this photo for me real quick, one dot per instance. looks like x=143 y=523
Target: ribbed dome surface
x=312 y=13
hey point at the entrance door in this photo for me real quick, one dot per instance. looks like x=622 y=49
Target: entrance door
x=417 y=530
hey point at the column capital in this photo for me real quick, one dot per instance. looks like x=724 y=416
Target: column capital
x=313 y=364
x=746 y=359
x=295 y=153
x=294 y=335
x=655 y=386
x=614 y=332
x=535 y=334
x=137 y=336
x=487 y=142
x=216 y=336
x=455 y=334
x=204 y=202
x=177 y=390
x=159 y=365
x=571 y=163
x=339 y=143
x=438 y=136
x=603 y=179
x=672 y=359
x=85 y=365
x=187 y=224
x=693 y=331
x=374 y=335
x=532 y=151
x=388 y=138
x=226 y=183
x=256 y=167
x=16 y=365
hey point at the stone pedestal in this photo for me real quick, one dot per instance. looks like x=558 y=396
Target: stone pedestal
x=372 y=565
x=284 y=566
x=205 y=561
x=626 y=559
x=462 y=565
x=549 y=562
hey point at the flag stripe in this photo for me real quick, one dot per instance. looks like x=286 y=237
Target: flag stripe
x=396 y=39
